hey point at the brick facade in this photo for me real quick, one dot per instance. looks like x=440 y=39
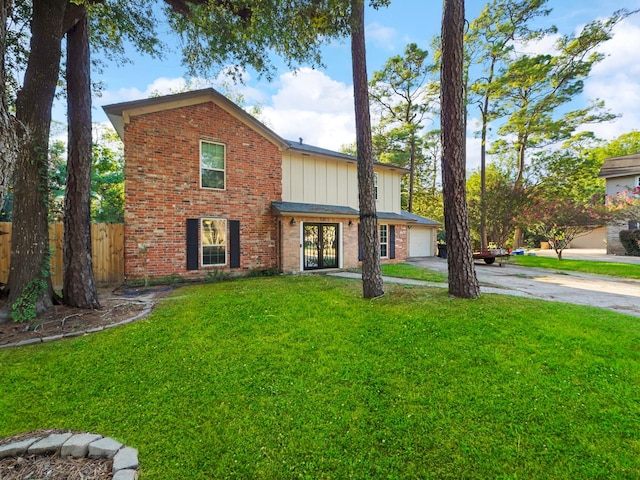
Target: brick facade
x=164 y=201
x=162 y=189
x=291 y=246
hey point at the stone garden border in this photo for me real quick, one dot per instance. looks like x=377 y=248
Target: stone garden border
x=79 y=445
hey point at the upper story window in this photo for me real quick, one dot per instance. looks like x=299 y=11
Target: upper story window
x=384 y=241
x=375 y=185
x=212 y=165
x=214 y=241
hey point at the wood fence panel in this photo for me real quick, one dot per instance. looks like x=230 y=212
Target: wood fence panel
x=107 y=248
x=56 y=238
x=107 y=245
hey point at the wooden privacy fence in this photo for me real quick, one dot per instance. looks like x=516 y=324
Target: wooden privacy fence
x=107 y=246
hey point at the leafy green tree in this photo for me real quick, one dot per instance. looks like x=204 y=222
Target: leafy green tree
x=532 y=90
x=463 y=282
x=427 y=188
x=625 y=144
x=571 y=171
x=560 y=220
x=502 y=201
x=490 y=43
x=107 y=180
x=403 y=96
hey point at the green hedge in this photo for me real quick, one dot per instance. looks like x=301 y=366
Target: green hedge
x=630 y=240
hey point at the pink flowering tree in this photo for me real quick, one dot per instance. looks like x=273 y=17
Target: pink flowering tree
x=561 y=220
x=625 y=205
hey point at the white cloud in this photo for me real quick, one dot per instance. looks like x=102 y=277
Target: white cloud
x=312 y=106
x=166 y=86
x=542 y=46
x=615 y=80
x=380 y=35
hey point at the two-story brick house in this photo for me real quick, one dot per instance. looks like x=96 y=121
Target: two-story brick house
x=208 y=186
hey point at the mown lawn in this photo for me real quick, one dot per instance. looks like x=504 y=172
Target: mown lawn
x=406 y=270
x=615 y=269
x=299 y=377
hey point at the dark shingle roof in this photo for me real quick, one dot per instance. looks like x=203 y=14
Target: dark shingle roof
x=620 y=166
x=284 y=208
x=295 y=208
x=310 y=149
x=421 y=220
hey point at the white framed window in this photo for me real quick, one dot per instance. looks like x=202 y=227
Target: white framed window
x=212 y=165
x=384 y=240
x=213 y=241
x=375 y=184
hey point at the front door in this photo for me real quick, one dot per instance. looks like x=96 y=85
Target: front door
x=320 y=245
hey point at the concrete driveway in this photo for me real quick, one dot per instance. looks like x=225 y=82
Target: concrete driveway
x=620 y=295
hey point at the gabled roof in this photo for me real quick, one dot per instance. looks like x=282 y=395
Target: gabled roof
x=620 y=166
x=120 y=113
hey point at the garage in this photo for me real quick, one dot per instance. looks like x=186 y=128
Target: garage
x=421 y=241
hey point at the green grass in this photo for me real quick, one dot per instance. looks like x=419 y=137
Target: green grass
x=624 y=270
x=299 y=377
x=405 y=270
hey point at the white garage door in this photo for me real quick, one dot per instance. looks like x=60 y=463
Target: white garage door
x=421 y=242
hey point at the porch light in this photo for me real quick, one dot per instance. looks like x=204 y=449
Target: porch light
x=292 y=222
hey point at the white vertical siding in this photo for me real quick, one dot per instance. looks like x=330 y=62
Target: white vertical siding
x=323 y=181
x=620 y=184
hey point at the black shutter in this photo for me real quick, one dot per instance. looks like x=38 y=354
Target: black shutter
x=392 y=241
x=192 y=243
x=234 y=243
x=359 y=242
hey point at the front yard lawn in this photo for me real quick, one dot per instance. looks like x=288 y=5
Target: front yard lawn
x=299 y=377
x=614 y=269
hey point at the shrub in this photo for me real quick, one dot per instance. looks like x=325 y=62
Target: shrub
x=630 y=240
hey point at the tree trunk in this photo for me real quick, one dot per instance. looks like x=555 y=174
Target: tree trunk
x=412 y=171
x=372 y=284
x=79 y=287
x=463 y=282
x=30 y=290
x=8 y=140
x=483 y=177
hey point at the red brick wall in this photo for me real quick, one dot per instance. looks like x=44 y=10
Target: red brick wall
x=162 y=188
x=291 y=238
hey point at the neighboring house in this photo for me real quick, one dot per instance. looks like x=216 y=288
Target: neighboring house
x=208 y=187
x=622 y=174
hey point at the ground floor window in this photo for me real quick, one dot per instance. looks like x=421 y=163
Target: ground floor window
x=384 y=241
x=214 y=241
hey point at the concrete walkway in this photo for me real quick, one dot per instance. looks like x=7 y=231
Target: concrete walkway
x=616 y=294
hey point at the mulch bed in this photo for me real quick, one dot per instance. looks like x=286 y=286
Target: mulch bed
x=52 y=467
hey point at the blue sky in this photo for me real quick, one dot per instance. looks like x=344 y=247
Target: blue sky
x=317 y=105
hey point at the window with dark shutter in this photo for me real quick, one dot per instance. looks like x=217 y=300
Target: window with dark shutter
x=234 y=243
x=392 y=241
x=192 y=243
x=359 y=243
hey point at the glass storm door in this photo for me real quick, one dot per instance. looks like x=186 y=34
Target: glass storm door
x=320 y=245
